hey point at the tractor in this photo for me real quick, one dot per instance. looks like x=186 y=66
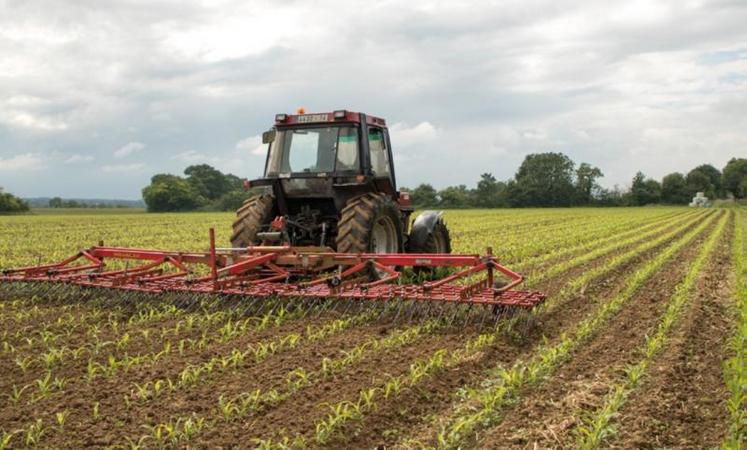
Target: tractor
x=329 y=181
x=327 y=228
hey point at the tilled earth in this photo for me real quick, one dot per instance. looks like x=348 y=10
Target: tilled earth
x=681 y=404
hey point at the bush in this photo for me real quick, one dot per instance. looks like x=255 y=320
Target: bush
x=11 y=203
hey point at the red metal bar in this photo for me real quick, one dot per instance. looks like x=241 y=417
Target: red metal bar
x=264 y=271
x=213 y=265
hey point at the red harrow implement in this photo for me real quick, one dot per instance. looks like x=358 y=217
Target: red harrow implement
x=315 y=274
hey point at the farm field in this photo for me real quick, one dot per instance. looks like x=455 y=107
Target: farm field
x=640 y=344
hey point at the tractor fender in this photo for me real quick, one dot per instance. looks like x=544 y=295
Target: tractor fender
x=423 y=226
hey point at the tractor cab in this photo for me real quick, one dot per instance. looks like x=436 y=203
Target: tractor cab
x=343 y=148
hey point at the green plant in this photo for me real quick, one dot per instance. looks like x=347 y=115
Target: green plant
x=486 y=403
x=34 y=433
x=60 y=417
x=5 y=438
x=15 y=395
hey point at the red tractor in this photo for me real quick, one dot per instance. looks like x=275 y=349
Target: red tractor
x=330 y=228
x=330 y=177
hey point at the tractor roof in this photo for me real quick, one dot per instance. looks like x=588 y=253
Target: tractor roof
x=340 y=115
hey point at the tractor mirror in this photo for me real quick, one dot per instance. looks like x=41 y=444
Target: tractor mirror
x=268 y=136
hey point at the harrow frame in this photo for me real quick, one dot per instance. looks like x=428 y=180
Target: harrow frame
x=285 y=271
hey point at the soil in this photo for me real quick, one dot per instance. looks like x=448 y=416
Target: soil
x=415 y=409
x=412 y=412
x=547 y=416
x=683 y=402
x=552 y=323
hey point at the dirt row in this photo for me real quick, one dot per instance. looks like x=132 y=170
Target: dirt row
x=549 y=325
x=547 y=416
x=79 y=397
x=390 y=418
x=393 y=419
x=683 y=402
x=297 y=416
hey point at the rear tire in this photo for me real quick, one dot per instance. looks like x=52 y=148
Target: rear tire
x=256 y=211
x=438 y=241
x=370 y=223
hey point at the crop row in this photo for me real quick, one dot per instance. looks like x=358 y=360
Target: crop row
x=597 y=251
x=482 y=408
x=347 y=411
x=735 y=368
x=112 y=365
x=600 y=236
x=598 y=425
x=579 y=284
x=295 y=380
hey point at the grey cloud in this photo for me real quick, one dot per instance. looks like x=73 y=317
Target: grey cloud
x=658 y=90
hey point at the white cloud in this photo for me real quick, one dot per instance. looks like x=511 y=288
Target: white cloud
x=22 y=162
x=405 y=136
x=253 y=144
x=191 y=156
x=25 y=119
x=594 y=80
x=123 y=168
x=77 y=158
x=129 y=149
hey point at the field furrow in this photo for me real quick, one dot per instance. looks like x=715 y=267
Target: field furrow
x=553 y=407
x=657 y=292
x=483 y=407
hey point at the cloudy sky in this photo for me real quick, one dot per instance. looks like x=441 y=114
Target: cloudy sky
x=97 y=96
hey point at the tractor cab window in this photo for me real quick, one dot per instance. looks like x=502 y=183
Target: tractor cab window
x=379 y=154
x=313 y=150
x=347 y=149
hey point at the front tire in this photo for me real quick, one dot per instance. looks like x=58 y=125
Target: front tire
x=256 y=211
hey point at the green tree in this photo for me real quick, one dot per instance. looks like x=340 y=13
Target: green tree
x=209 y=182
x=424 y=196
x=170 y=193
x=11 y=203
x=454 y=197
x=489 y=192
x=734 y=177
x=644 y=191
x=700 y=181
x=232 y=200
x=543 y=179
x=674 y=189
x=586 y=183
x=714 y=176
x=55 y=202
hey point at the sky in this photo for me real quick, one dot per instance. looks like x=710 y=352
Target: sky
x=96 y=97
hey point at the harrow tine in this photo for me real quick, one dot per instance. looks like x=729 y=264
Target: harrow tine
x=347 y=307
x=450 y=321
x=323 y=305
x=441 y=311
x=304 y=309
x=316 y=304
x=467 y=315
x=262 y=293
x=415 y=307
x=400 y=302
x=484 y=315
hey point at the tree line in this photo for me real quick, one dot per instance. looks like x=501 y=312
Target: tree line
x=9 y=203
x=554 y=180
x=58 y=202
x=203 y=188
x=542 y=180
